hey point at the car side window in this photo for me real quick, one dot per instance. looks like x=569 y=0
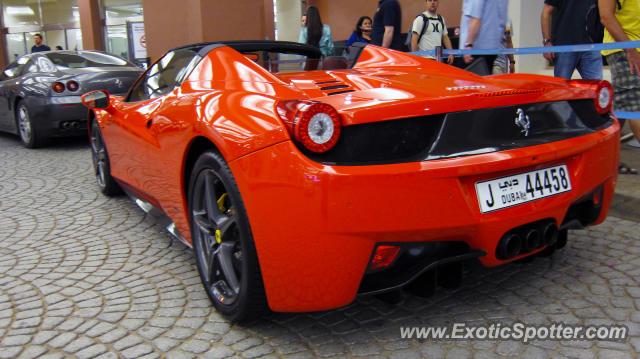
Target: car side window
x=15 y=69
x=31 y=67
x=165 y=75
x=10 y=72
x=46 y=65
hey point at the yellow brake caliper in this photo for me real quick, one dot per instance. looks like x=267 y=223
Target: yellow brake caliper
x=222 y=209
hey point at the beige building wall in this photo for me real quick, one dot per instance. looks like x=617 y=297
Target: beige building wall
x=171 y=23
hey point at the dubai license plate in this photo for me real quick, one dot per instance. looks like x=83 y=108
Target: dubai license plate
x=525 y=187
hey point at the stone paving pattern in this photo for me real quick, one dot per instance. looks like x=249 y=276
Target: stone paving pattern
x=627 y=198
x=85 y=276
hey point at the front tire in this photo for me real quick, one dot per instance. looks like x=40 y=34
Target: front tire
x=225 y=252
x=101 y=165
x=26 y=130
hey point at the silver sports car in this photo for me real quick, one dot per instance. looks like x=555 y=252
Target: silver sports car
x=40 y=93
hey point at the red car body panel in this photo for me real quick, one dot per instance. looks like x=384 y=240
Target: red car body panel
x=315 y=225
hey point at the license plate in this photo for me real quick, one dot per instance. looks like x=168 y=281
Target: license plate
x=525 y=187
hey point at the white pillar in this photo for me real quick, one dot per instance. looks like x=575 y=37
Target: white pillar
x=525 y=16
x=287 y=13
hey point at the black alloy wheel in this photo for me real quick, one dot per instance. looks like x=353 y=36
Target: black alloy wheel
x=108 y=185
x=225 y=252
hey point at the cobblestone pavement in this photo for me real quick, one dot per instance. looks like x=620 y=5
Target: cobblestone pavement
x=85 y=276
x=626 y=202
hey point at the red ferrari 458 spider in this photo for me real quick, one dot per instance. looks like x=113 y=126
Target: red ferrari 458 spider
x=303 y=181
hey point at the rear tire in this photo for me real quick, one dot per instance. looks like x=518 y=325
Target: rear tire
x=225 y=252
x=26 y=130
x=101 y=165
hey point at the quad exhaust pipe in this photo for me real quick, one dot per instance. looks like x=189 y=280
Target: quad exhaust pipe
x=67 y=125
x=527 y=238
x=509 y=246
x=533 y=241
x=550 y=234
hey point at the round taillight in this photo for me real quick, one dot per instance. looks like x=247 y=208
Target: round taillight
x=321 y=128
x=58 y=87
x=604 y=98
x=315 y=125
x=72 y=86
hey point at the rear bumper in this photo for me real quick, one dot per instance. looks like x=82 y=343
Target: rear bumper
x=58 y=116
x=315 y=226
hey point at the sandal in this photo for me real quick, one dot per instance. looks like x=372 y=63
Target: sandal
x=623 y=169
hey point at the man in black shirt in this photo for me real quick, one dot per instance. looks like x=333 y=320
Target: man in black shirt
x=39 y=46
x=386 y=25
x=569 y=28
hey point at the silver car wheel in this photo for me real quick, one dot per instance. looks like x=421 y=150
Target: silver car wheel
x=24 y=124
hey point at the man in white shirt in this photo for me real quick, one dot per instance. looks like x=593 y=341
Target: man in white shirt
x=429 y=31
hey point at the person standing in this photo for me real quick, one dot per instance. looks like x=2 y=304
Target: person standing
x=386 y=25
x=482 y=27
x=622 y=23
x=39 y=46
x=316 y=33
x=429 y=31
x=505 y=63
x=569 y=28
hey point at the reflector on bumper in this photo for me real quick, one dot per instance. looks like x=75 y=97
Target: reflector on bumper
x=383 y=257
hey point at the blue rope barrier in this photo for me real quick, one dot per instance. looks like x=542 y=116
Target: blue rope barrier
x=627 y=115
x=535 y=50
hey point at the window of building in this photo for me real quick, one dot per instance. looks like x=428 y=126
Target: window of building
x=118 y=14
x=57 y=21
x=20 y=13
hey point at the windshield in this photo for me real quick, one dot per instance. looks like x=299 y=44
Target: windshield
x=281 y=56
x=85 y=59
x=282 y=62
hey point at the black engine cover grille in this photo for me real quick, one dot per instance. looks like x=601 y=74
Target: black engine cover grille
x=463 y=133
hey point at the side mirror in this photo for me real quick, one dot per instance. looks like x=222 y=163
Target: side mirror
x=98 y=99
